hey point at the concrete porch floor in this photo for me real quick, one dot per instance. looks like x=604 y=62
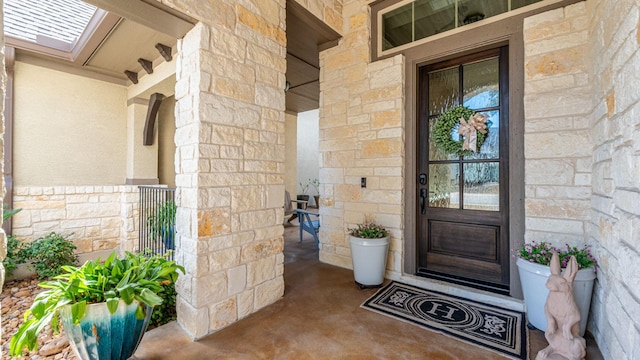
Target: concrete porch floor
x=319 y=317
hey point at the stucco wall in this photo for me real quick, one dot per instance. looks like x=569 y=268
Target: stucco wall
x=308 y=156
x=291 y=153
x=68 y=130
x=166 y=143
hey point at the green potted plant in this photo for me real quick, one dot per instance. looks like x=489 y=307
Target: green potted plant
x=162 y=224
x=534 y=270
x=369 y=246
x=104 y=307
x=304 y=188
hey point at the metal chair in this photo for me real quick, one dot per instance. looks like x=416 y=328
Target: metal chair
x=308 y=225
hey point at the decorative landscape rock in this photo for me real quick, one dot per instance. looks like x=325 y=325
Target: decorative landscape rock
x=16 y=297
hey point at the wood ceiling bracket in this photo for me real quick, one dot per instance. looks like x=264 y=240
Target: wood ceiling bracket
x=146 y=65
x=152 y=114
x=133 y=76
x=165 y=51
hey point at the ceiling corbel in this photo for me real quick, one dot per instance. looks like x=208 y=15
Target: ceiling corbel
x=132 y=75
x=165 y=51
x=152 y=114
x=147 y=65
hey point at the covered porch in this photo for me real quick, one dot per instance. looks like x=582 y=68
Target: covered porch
x=573 y=168
x=319 y=317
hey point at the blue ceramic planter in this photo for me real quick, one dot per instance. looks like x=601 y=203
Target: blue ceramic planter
x=167 y=235
x=102 y=336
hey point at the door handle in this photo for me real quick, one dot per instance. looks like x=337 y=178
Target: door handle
x=423 y=200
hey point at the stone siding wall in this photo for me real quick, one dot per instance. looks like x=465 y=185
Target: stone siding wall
x=329 y=11
x=230 y=162
x=558 y=146
x=3 y=81
x=614 y=34
x=361 y=135
x=95 y=218
x=581 y=149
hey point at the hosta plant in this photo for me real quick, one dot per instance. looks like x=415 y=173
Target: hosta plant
x=132 y=277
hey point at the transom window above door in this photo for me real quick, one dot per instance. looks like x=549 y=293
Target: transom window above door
x=413 y=20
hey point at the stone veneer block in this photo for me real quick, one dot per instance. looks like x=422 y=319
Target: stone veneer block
x=223 y=314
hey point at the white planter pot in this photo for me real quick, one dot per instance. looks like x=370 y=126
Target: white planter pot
x=369 y=258
x=533 y=278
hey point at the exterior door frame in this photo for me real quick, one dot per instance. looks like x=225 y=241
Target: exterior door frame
x=464 y=217
x=507 y=32
x=479 y=36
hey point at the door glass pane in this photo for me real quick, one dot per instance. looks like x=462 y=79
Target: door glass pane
x=471 y=11
x=444 y=185
x=397 y=27
x=481 y=186
x=491 y=146
x=433 y=17
x=480 y=84
x=443 y=90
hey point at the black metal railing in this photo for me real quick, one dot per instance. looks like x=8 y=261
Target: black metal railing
x=157 y=220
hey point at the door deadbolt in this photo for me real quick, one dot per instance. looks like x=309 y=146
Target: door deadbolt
x=422 y=179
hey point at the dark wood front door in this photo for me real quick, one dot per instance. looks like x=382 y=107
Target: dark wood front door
x=462 y=209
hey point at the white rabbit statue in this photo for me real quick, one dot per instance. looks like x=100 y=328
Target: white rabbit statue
x=563 y=315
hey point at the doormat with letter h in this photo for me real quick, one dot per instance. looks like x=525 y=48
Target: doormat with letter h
x=500 y=330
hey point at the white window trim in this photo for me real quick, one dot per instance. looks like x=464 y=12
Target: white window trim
x=79 y=51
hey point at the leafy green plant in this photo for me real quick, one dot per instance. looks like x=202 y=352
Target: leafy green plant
x=166 y=311
x=15 y=255
x=369 y=230
x=48 y=254
x=163 y=217
x=7 y=213
x=133 y=277
x=304 y=186
x=14 y=246
x=316 y=185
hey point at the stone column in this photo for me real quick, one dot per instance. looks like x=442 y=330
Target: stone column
x=230 y=164
x=142 y=161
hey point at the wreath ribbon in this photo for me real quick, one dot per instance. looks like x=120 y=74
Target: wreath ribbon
x=469 y=130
